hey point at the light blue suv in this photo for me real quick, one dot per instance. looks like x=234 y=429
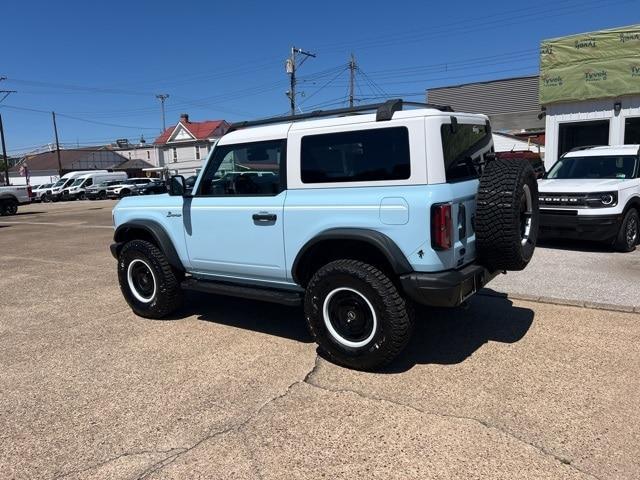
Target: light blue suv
x=353 y=213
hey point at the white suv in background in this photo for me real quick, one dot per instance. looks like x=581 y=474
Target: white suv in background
x=593 y=193
x=127 y=187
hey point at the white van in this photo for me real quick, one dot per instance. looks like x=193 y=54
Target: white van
x=78 y=189
x=65 y=181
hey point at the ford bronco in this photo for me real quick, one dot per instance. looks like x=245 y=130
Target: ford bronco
x=354 y=213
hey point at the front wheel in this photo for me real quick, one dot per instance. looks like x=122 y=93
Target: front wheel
x=629 y=232
x=149 y=284
x=357 y=315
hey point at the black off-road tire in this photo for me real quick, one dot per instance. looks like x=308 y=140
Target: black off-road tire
x=394 y=315
x=629 y=232
x=502 y=242
x=125 y=193
x=167 y=296
x=8 y=207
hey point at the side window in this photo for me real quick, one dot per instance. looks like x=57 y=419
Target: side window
x=359 y=156
x=245 y=169
x=88 y=183
x=463 y=147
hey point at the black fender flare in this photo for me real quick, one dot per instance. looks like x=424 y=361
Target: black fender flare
x=378 y=240
x=156 y=231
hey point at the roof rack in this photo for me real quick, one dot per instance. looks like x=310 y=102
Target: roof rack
x=384 y=112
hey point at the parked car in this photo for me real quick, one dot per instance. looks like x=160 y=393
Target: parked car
x=533 y=157
x=359 y=216
x=593 y=193
x=152 y=188
x=55 y=193
x=78 y=189
x=13 y=196
x=38 y=192
x=127 y=188
x=99 y=191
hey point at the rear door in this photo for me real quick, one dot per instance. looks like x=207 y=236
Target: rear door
x=465 y=141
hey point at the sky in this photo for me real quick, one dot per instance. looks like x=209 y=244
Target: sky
x=99 y=65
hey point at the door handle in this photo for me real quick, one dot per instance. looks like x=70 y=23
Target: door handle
x=264 y=217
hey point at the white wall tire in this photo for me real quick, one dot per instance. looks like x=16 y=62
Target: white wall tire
x=386 y=320
x=138 y=274
x=351 y=316
x=148 y=283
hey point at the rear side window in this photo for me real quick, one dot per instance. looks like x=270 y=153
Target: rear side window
x=359 y=156
x=463 y=146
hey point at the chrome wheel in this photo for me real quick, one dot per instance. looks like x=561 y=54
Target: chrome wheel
x=141 y=280
x=349 y=317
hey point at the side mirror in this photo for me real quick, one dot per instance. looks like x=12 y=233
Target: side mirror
x=176 y=186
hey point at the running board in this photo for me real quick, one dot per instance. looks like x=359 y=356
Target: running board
x=291 y=299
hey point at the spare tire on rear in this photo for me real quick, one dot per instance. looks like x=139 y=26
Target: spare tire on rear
x=507 y=215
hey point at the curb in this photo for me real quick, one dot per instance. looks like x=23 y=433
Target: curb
x=563 y=301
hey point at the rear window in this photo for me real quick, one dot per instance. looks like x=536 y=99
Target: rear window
x=359 y=156
x=463 y=146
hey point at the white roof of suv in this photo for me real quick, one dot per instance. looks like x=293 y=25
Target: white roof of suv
x=280 y=130
x=604 y=150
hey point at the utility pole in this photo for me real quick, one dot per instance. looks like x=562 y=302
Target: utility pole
x=4 y=153
x=162 y=97
x=352 y=79
x=55 y=131
x=291 y=67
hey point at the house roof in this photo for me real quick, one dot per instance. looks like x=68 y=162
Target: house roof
x=134 y=163
x=86 y=158
x=199 y=130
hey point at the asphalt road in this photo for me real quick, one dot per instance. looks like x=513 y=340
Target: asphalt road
x=235 y=389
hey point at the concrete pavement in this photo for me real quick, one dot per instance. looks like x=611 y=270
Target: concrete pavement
x=234 y=389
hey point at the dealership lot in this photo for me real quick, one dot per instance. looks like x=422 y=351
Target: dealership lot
x=234 y=389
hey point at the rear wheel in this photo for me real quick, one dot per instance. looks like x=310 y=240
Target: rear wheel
x=149 y=284
x=125 y=193
x=357 y=315
x=507 y=215
x=629 y=232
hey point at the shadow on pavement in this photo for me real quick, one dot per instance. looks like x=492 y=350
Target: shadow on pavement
x=449 y=336
x=443 y=336
x=26 y=213
x=576 y=245
x=262 y=317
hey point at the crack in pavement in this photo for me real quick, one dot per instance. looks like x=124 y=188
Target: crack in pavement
x=308 y=380
x=111 y=460
x=175 y=453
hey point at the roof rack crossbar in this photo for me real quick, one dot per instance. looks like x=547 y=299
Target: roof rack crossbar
x=384 y=112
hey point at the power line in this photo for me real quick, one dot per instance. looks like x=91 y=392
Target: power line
x=291 y=67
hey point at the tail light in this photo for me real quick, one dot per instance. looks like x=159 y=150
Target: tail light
x=441 y=228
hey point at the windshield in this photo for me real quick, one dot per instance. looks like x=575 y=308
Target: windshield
x=78 y=182
x=610 y=166
x=60 y=182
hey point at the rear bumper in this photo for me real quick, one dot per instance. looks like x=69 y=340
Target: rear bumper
x=554 y=224
x=446 y=289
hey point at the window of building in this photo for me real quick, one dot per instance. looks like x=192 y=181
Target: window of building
x=463 y=147
x=360 y=156
x=129 y=155
x=197 y=152
x=581 y=134
x=175 y=154
x=245 y=169
x=632 y=130
x=148 y=154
